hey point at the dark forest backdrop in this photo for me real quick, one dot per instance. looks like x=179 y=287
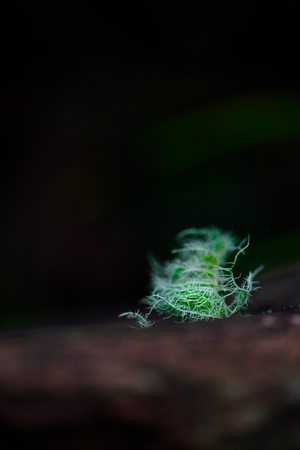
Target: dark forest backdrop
x=124 y=123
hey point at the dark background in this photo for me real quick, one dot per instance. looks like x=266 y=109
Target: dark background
x=123 y=124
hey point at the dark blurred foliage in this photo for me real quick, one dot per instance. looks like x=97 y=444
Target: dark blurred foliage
x=123 y=123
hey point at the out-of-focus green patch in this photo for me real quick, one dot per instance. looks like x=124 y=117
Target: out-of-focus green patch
x=182 y=141
x=19 y=319
x=21 y=303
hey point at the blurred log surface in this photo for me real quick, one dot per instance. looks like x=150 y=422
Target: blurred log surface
x=231 y=383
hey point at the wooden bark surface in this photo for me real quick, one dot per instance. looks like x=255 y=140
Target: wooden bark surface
x=227 y=384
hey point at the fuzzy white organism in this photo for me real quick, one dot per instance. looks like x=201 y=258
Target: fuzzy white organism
x=198 y=283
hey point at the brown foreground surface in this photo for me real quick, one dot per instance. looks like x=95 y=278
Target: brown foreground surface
x=230 y=384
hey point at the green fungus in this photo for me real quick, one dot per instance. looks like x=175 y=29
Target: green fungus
x=198 y=283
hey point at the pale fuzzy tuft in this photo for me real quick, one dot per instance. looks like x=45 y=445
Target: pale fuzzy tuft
x=198 y=283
